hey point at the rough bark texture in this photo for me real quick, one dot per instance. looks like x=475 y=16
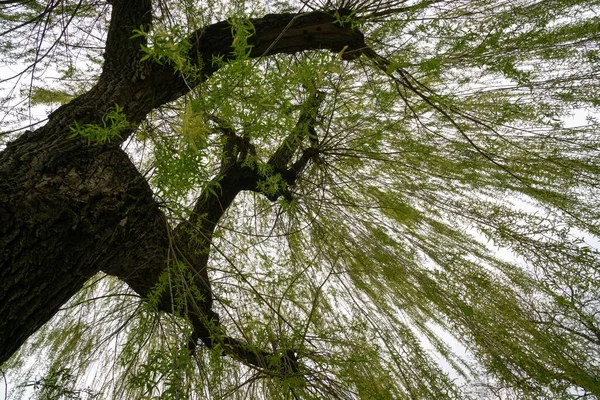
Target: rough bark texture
x=69 y=208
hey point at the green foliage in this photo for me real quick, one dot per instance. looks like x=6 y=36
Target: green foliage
x=170 y=47
x=164 y=373
x=241 y=30
x=349 y=18
x=57 y=384
x=47 y=96
x=113 y=124
x=272 y=184
x=442 y=244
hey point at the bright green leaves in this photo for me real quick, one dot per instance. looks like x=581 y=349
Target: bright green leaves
x=169 y=47
x=181 y=148
x=272 y=185
x=172 y=46
x=348 y=18
x=180 y=166
x=164 y=375
x=114 y=123
x=49 y=96
x=241 y=30
x=194 y=128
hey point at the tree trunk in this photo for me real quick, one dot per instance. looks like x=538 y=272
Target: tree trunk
x=67 y=211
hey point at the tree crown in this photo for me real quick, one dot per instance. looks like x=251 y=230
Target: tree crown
x=370 y=187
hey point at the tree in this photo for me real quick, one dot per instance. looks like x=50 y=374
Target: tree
x=304 y=200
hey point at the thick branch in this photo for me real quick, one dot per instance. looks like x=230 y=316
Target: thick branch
x=194 y=237
x=192 y=241
x=274 y=34
x=235 y=148
x=122 y=51
x=285 y=362
x=140 y=87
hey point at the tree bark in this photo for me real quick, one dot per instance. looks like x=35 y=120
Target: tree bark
x=70 y=208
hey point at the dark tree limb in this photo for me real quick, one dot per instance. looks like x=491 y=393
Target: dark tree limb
x=274 y=34
x=304 y=128
x=236 y=148
x=122 y=51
